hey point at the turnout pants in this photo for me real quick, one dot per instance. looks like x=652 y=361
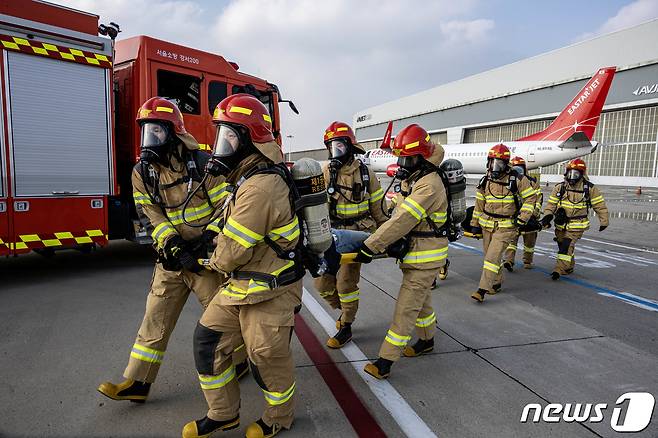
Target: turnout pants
x=495 y=243
x=342 y=291
x=566 y=244
x=413 y=308
x=164 y=303
x=529 y=241
x=267 y=329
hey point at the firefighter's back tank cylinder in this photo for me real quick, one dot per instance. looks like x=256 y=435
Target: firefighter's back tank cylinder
x=310 y=183
x=457 y=188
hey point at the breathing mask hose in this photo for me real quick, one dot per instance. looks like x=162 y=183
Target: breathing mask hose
x=384 y=200
x=189 y=198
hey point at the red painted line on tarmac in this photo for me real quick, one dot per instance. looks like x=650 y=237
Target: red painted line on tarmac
x=358 y=415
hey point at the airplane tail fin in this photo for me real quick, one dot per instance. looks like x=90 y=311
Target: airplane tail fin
x=386 y=142
x=583 y=112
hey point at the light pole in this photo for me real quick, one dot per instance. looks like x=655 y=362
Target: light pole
x=290 y=136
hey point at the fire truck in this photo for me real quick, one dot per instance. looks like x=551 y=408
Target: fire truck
x=68 y=137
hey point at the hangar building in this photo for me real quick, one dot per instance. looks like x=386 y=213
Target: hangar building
x=521 y=98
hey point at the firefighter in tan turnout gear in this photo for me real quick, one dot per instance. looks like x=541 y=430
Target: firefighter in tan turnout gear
x=355 y=203
x=504 y=206
x=168 y=172
x=418 y=218
x=261 y=232
x=529 y=237
x=568 y=207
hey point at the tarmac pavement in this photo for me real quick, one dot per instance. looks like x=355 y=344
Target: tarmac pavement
x=67 y=323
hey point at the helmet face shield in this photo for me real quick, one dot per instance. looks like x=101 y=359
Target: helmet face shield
x=409 y=163
x=519 y=169
x=338 y=149
x=154 y=135
x=227 y=141
x=573 y=176
x=497 y=167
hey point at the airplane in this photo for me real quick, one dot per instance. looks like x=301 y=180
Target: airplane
x=568 y=136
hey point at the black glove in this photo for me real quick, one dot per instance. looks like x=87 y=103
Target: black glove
x=208 y=237
x=602 y=227
x=177 y=248
x=315 y=265
x=476 y=232
x=333 y=259
x=189 y=262
x=546 y=221
x=364 y=255
x=398 y=249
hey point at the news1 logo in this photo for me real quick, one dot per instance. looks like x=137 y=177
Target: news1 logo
x=636 y=413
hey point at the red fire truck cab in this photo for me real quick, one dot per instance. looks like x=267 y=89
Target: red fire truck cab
x=195 y=80
x=68 y=137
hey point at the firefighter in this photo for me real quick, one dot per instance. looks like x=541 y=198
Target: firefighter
x=168 y=171
x=261 y=232
x=504 y=205
x=529 y=237
x=568 y=207
x=419 y=218
x=355 y=203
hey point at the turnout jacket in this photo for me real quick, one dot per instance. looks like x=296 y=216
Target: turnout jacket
x=539 y=199
x=259 y=207
x=167 y=186
x=495 y=203
x=366 y=211
x=421 y=199
x=574 y=203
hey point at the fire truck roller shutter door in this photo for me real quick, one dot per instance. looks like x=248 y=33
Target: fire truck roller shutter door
x=51 y=154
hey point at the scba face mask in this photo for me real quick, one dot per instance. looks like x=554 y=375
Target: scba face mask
x=156 y=141
x=340 y=152
x=573 y=176
x=408 y=165
x=497 y=167
x=231 y=147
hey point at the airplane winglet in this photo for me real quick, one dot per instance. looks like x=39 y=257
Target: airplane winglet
x=386 y=142
x=582 y=113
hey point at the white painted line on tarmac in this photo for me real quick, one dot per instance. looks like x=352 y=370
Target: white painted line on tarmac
x=620 y=246
x=626 y=297
x=410 y=423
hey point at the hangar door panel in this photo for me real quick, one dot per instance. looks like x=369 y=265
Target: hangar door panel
x=59 y=127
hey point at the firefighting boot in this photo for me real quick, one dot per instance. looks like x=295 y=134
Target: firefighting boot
x=261 y=430
x=380 y=369
x=341 y=338
x=443 y=271
x=555 y=276
x=479 y=294
x=241 y=369
x=421 y=346
x=129 y=389
x=205 y=427
x=509 y=266
x=495 y=289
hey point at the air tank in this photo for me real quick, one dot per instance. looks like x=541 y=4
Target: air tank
x=454 y=170
x=312 y=188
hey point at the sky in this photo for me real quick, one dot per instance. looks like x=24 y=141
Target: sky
x=334 y=58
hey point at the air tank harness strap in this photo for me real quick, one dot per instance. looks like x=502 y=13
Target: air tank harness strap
x=288 y=276
x=437 y=231
x=499 y=216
